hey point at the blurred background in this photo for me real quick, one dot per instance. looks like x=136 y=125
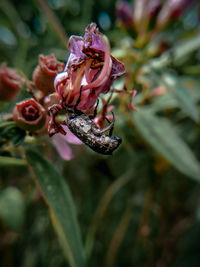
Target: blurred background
x=140 y=206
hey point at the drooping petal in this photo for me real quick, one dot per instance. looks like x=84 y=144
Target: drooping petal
x=70 y=137
x=62 y=147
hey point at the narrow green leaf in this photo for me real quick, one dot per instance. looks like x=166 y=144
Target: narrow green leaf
x=163 y=138
x=177 y=53
x=9 y=131
x=9 y=161
x=60 y=202
x=163 y=102
x=182 y=95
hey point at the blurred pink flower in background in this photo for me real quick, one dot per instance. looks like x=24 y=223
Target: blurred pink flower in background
x=10 y=83
x=124 y=14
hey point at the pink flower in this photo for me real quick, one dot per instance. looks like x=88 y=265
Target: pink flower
x=90 y=69
x=60 y=142
x=10 y=83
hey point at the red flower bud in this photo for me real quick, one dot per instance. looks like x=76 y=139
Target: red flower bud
x=29 y=115
x=10 y=83
x=45 y=72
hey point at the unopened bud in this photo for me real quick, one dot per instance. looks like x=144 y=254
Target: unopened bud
x=45 y=73
x=10 y=83
x=124 y=14
x=29 y=115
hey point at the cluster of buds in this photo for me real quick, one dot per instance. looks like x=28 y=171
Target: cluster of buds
x=31 y=114
x=89 y=72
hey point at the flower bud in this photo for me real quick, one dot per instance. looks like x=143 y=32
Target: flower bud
x=10 y=83
x=29 y=115
x=45 y=72
x=124 y=14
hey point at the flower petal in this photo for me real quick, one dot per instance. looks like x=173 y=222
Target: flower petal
x=70 y=137
x=93 y=38
x=62 y=147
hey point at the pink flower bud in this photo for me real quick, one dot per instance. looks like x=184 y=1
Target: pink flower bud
x=45 y=72
x=10 y=83
x=124 y=14
x=29 y=115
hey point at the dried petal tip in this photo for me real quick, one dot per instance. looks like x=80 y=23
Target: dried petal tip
x=10 y=83
x=29 y=115
x=45 y=73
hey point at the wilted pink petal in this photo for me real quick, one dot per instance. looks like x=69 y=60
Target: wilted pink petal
x=70 y=137
x=62 y=147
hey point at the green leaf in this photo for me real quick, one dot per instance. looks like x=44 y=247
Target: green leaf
x=163 y=138
x=9 y=131
x=166 y=101
x=58 y=197
x=182 y=95
x=9 y=161
x=12 y=208
x=181 y=50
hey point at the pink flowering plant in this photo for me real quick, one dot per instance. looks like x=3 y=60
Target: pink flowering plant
x=90 y=67
x=105 y=120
